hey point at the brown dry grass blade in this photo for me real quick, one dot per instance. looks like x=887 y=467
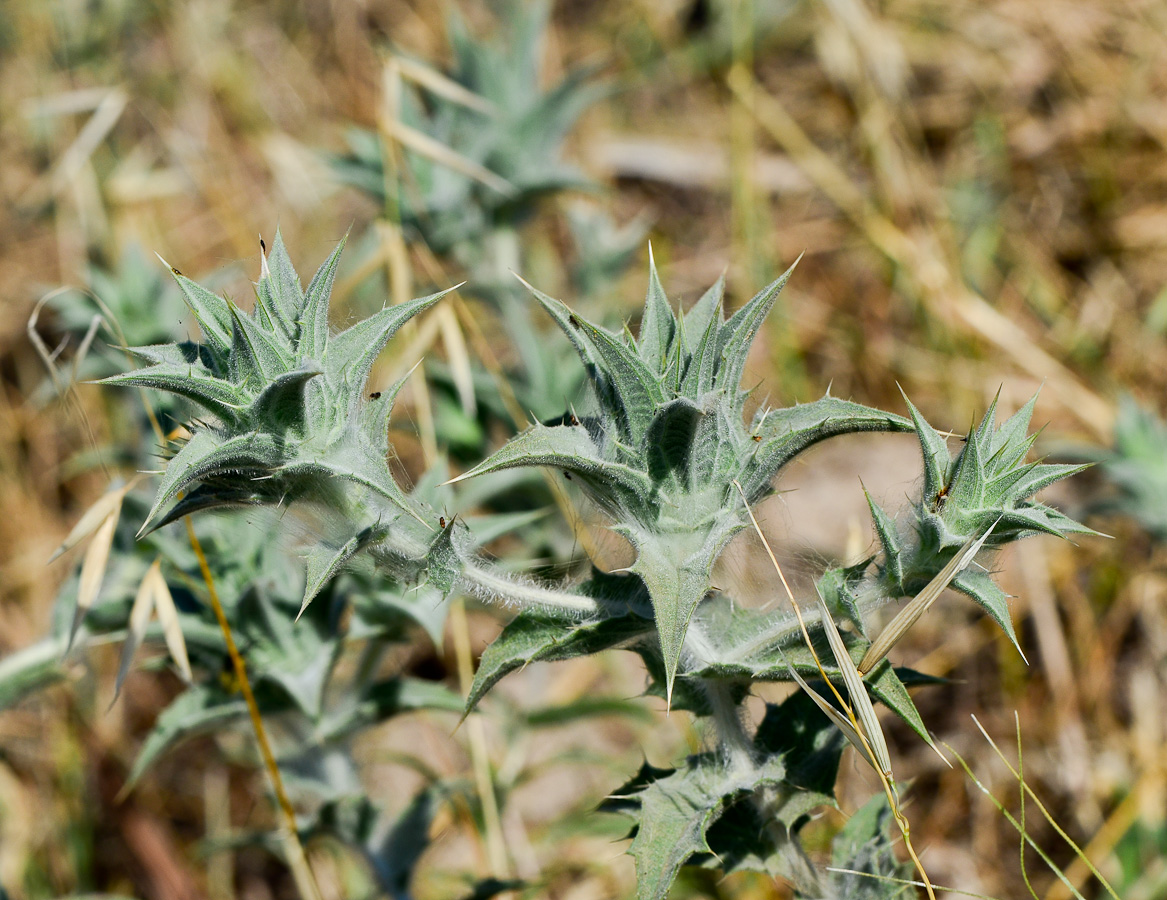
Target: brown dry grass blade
x=139 y=620
x=107 y=504
x=93 y=570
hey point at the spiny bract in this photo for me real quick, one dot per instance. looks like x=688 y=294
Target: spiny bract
x=285 y=395
x=987 y=484
x=666 y=449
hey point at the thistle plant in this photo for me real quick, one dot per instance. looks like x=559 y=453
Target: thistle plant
x=664 y=448
x=666 y=444
x=290 y=419
x=301 y=672
x=989 y=484
x=512 y=134
x=665 y=452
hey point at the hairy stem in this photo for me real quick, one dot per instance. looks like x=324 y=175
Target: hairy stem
x=493 y=586
x=729 y=719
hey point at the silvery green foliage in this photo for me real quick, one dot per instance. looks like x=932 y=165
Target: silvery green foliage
x=289 y=418
x=666 y=448
x=662 y=452
x=740 y=816
x=666 y=452
x=864 y=849
x=298 y=670
x=1137 y=468
x=286 y=396
x=134 y=293
x=519 y=139
x=988 y=482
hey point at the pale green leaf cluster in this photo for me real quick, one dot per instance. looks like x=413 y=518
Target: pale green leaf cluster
x=738 y=813
x=1137 y=468
x=285 y=395
x=667 y=445
x=987 y=484
x=516 y=133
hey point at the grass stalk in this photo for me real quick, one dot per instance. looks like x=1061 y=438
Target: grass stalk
x=479 y=756
x=297 y=858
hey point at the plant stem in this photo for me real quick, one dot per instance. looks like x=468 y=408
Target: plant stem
x=728 y=717
x=493 y=587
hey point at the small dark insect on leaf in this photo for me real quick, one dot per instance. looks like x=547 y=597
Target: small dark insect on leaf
x=441 y=521
x=574 y=420
x=262 y=247
x=176 y=272
x=941 y=498
x=376 y=395
x=567 y=475
x=573 y=321
x=756 y=438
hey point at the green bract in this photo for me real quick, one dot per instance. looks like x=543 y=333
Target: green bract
x=988 y=483
x=666 y=448
x=286 y=396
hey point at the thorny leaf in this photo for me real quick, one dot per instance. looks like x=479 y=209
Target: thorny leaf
x=665 y=441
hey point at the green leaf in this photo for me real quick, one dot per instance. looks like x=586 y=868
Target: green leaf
x=216 y=395
x=32 y=668
x=657 y=323
x=866 y=845
x=675 y=809
x=205 y=454
x=285 y=283
x=885 y=685
x=704 y=316
x=669 y=440
x=737 y=335
x=1035 y=478
x=614 y=486
x=966 y=487
x=636 y=389
x=313 y=321
x=935 y=451
x=787 y=432
x=889 y=541
x=530 y=638
x=677 y=577
x=263 y=347
x=1010 y=439
x=351 y=353
x=981 y=587
x=323 y=561
x=699 y=376
x=212 y=312
x=198 y=710
x=281 y=402
x=798 y=731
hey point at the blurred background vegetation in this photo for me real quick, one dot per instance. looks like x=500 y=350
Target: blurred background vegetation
x=979 y=192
